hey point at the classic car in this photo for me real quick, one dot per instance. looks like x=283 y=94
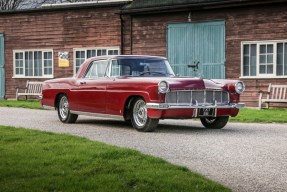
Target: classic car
x=141 y=90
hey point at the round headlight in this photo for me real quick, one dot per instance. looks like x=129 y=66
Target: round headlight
x=163 y=87
x=239 y=87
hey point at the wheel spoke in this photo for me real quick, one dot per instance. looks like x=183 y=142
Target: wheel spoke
x=140 y=113
x=64 y=107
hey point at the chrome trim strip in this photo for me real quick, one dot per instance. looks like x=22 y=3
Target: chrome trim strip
x=101 y=115
x=167 y=106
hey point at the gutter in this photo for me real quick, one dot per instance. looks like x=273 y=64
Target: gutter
x=197 y=6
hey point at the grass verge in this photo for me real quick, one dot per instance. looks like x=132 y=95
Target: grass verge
x=273 y=115
x=31 y=104
x=39 y=161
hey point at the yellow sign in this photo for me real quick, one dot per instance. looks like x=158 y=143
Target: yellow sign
x=64 y=59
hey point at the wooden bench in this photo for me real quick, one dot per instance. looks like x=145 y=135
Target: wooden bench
x=33 y=88
x=275 y=94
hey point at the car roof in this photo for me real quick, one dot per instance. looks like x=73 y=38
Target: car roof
x=127 y=57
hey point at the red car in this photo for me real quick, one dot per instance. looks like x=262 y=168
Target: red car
x=141 y=90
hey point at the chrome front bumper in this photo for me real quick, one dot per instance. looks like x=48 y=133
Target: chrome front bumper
x=168 y=106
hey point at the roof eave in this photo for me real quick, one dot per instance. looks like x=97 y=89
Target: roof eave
x=197 y=6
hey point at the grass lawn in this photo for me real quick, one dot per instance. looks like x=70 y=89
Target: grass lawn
x=38 y=161
x=272 y=115
x=31 y=104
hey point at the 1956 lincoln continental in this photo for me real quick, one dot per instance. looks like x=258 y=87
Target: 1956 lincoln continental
x=141 y=90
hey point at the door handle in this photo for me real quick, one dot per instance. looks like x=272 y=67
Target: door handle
x=83 y=82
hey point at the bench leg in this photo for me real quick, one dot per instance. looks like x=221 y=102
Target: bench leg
x=260 y=101
x=267 y=105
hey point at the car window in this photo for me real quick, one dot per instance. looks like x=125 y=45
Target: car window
x=97 y=69
x=140 y=67
x=120 y=69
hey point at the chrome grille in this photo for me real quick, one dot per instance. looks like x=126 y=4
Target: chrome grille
x=197 y=97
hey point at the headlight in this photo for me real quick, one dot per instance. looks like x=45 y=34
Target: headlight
x=163 y=87
x=239 y=87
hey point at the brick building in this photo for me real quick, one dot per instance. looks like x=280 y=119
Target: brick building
x=235 y=39
x=33 y=39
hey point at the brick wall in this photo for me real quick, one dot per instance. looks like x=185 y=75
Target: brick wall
x=57 y=30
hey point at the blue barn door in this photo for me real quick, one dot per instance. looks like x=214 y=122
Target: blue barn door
x=202 y=43
x=2 y=71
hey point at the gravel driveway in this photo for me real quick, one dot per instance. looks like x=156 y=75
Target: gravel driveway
x=244 y=157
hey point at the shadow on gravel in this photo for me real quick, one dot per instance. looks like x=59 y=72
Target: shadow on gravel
x=162 y=127
x=184 y=129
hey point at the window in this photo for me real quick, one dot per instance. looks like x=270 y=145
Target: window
x=97 y=69
x=82 y=54
x=264 y=59
x=140 y=67
x=33 y=63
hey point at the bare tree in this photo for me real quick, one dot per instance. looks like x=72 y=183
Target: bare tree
x=10 y=4
x=28 y=4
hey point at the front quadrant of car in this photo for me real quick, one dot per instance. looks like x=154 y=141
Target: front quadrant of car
x=141 y=90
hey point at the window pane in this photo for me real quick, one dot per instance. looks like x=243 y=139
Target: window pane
x=47 y=55
x=262 y=49
x=262 y=59
x=112 y=52
x=253 y=60
x=269 y=58
x=246 y=61
x=101 y=52
x=17 y=71
x=249 y=60
x=29 y=63
x=246 y=49
x=91 y=53
x=19 y=56
x=262 y=69
x=269 y=48
x=269 y=69
x=38 y=63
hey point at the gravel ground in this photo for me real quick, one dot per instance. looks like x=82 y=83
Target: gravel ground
x=244 y=157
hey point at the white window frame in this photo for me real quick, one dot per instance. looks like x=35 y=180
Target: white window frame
x=86 y=49
x=258 y=75
x=32 y=50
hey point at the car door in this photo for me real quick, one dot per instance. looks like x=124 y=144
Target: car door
x=91 y=90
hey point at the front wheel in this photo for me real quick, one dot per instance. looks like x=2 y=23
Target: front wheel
x=64 y=113
x=140 y=120
x=214 y=122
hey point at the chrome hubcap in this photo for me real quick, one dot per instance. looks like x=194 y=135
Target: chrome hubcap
x=64 y=107
x=140 y=113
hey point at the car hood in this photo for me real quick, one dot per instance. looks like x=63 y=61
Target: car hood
x=180 y=83
x=194 y=83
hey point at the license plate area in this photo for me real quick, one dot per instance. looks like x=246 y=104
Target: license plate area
x=206 y=112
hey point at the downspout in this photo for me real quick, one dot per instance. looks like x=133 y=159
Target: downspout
x=131 y=34
x=122 y=34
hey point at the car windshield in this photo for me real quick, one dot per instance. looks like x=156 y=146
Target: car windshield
x=141 y=67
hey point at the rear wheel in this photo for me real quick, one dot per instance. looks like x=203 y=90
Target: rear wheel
x=139 y=118
x=214 y=122
x=64 y=113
